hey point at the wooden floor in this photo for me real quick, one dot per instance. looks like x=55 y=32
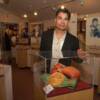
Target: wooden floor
x=23 y=85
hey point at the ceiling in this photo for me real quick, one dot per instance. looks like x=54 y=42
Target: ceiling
x=46 y=8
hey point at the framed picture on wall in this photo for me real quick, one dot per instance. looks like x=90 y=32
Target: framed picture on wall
x=36 y=30
x=93 y=34
x=95 y=27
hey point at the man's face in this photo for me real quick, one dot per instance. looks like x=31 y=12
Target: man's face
x=61 y=21
x=95 y=23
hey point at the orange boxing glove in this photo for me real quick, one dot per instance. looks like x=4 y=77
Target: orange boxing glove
x=56 y=79
x=71 y=72
x=58 y=67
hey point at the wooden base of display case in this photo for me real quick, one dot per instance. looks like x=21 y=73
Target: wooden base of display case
x=79 y=95
x=83 y=91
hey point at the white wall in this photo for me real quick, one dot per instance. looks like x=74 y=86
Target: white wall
x=93 y=46
x=73 y=24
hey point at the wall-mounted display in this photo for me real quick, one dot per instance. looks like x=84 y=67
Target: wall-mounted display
x=36 y=30
x=93 y=34
x=93 y=31
x=95 y=28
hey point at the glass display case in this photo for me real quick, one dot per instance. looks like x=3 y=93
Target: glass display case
x=63 y=76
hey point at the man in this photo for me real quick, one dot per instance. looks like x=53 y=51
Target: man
x=6 y=46
x=59 y=42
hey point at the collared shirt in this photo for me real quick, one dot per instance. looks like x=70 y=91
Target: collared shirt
x=56 y=49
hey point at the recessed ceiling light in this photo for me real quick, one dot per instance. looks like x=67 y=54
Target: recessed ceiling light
x=85 y=18
x=62 y=7
x=35 y=13
x=25 y=16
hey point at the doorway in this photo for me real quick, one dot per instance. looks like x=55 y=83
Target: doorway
x=81 y=33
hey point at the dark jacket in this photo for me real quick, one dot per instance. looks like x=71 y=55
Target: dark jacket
x=69 y=48
x=7 y=43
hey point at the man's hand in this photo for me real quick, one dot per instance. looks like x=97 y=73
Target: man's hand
x=82 y=54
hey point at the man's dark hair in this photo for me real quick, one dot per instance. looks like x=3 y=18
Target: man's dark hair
x=94 y=19
x=64 y=11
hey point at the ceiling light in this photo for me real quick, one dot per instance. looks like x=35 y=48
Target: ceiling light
x=35 y=13
x=85 y=18
x=62 y=7
x=25 y=16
